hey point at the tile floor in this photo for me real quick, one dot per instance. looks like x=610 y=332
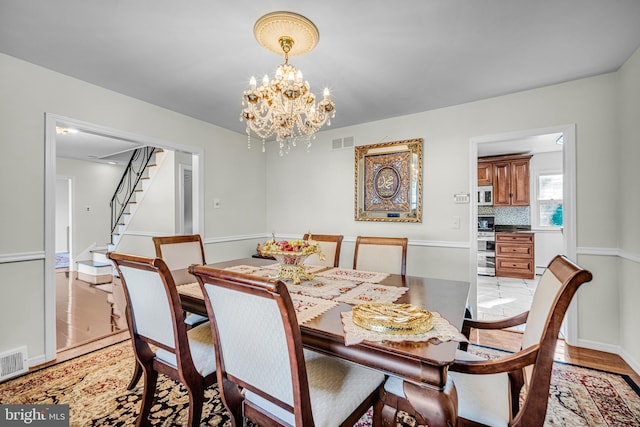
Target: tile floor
x=502 y=297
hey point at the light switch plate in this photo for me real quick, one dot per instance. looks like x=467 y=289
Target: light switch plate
x=461 y=198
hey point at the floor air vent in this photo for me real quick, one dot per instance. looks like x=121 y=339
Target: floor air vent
x=13 y=362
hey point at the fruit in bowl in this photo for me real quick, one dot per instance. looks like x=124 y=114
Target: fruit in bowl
x=290 y=249
x=291 y=254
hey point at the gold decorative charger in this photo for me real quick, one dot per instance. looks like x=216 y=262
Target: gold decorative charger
x=442 y=331
x=355 y=275
x=371 y=292
x=398 y=319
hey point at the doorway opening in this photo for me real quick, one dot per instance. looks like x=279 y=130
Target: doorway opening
x=548 y=219
x=108 y=140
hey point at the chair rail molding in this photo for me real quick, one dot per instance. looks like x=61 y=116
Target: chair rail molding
x=21 y=257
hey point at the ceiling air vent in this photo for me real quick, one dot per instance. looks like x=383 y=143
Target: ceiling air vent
x=13 y=363
x=340 y=143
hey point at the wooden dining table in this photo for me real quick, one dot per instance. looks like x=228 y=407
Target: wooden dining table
x=422 y=365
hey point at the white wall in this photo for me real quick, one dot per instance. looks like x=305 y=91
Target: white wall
x=323 y=181
x=27 y=92
x=155 y=211
x=94 y=184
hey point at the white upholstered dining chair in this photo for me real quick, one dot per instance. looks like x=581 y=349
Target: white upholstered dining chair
x=330 y=245
x=263 y=372
x=381 y=254
x=489 y=391
x=161 y=342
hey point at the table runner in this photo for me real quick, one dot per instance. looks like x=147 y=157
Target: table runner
x=321 y=287
x=442 y=331
x=371 y=292
x=308 y=268
x=306 y=307
x=355 y=275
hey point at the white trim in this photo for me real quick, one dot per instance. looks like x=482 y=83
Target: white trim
x=598 y=251
x=630 y=256
x=22 y=256
x=419 y=243
x=635 y=365
x=51 y=120
x=239 y=238
x=182 y=168
x=600 y=346
x=569 y=206
x=50 y=238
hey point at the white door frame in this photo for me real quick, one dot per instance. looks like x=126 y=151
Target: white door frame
x=182 y=168
x=568 y=208
x=70 y=188
x=53 y=120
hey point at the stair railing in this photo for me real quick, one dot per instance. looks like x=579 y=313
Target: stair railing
x=128 y=184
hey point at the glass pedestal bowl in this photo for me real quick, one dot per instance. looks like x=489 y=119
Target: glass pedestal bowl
x=292 y=267
x=291 y=255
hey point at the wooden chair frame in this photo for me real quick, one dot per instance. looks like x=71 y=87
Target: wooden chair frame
x=185 y=372
x=391 y=241
x=534 y=407
x=337 y=239
x=230 y=386
x=159 y=241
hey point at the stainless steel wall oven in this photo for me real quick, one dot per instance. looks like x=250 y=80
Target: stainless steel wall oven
x=486 y=246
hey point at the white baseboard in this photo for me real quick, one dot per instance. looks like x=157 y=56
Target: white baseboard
x=600 y=346
x=614 y=349
x=635 y=365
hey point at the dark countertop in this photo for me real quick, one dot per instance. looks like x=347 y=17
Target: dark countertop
x=512 y=228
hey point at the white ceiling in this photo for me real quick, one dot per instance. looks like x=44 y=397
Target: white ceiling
x=380 y=58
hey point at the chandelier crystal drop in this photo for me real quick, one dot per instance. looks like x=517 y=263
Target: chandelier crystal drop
x=284 y=105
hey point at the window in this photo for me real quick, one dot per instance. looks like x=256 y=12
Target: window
x=549 y=190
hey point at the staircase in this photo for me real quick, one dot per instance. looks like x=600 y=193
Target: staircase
x=135 y=180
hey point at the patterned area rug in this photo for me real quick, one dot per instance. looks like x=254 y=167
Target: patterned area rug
x=94 y=386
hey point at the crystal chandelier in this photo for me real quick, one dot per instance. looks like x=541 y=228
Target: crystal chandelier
x=284 y=104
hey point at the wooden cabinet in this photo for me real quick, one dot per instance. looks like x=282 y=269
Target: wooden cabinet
x=510 y=179
x=515 y=255
x=485 y=173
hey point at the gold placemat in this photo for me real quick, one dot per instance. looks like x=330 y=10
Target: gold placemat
x=371 y=292
x=308 y=307
x=321 y=287
x=442 y=331
x=355 y=275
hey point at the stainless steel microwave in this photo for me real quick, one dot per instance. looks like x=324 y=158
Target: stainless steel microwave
x=485 y=195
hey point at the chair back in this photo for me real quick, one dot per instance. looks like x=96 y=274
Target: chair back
x=554 y=293
x=152 y=301
x=381 y=254
x=179 y=252
x=253 y=316
x=330 y=245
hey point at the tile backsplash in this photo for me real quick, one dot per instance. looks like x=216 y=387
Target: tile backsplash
x=508 y=215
